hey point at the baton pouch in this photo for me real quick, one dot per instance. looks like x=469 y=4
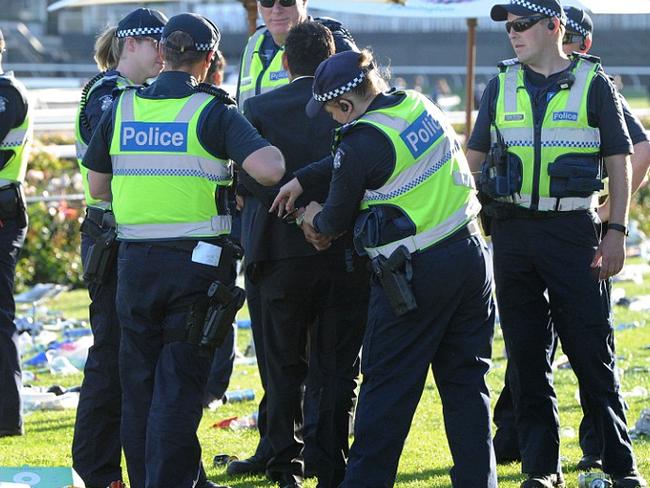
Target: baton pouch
x=12 y=203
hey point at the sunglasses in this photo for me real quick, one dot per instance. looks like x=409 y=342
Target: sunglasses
x=284 y=3
x=570 y=38
x=524 y=23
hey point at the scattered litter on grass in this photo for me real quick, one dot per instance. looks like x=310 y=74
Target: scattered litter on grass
x=237 y=423
x=223 y=460
x=561 y=362
x=636 y=392
x=39 y=398
x=642 y=426
x=630 y=325
x=567 y=432
x=39 y=477
x=640 y=303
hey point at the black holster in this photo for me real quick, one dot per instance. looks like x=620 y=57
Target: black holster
x=12 y=203
x=211 y=316
x=101 y=258
x=395 y=274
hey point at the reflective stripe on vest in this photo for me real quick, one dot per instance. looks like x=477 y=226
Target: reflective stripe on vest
x=82 y=147
x=431 y=181
x=565 y=131
x=252 y=69
x=164 y=181
x=18 y=141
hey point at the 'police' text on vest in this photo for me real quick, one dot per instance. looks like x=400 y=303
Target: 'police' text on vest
x=421 y=134
x=154 y=137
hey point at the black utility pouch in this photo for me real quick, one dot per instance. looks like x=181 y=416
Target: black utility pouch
x=102 y=254
x=11 y=203
x=575 y=176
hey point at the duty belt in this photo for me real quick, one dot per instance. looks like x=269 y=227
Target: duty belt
x=504 y=211
x=422 y=241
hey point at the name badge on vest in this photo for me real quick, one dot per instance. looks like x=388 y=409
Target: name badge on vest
x=278 y=75
x=513 y=117
x=153 y=137
x=568 y=116
x=422 y=134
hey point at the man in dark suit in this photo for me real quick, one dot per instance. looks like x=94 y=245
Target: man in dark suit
x=313 y=302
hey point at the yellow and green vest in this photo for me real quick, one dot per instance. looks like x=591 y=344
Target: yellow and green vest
x=18 y=140
x=431 y=182
x=164 y=181
x=564 y=131
x=254 y=79
x=82 y=146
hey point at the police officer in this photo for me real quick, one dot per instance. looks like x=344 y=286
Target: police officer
x=551 y=121
x=578 y=38
x=399 y=171
x=161 y=156
x=261 y=71
x=15 y=142
x=126 y=55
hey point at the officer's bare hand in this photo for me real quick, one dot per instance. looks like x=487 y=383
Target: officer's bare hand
x=603 y=211
x=319 y=241
x=286 y=198
x=610 y=255
x=239 y=202
x=310 y=212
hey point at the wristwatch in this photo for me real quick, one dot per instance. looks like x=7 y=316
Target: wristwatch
x=618 y=227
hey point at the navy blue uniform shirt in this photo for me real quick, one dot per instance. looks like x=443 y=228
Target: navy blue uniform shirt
x=99 y=101
x=634 y=125
x=603 y=110
x=13 y=110
x=223 y=131
x=365 y=159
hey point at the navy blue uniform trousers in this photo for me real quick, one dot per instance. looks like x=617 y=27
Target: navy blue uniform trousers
x=96 y=446
x=451 y=333
x=162 y=383
x=553 y=254
x=12 y=237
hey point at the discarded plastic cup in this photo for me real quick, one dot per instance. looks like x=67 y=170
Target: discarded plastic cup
x=59 y=364
x=236 y=396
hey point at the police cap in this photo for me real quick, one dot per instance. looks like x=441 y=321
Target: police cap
x=523 y=8
x=334 y=77
x=142 y=22
x=578 y=21
x=204 y=33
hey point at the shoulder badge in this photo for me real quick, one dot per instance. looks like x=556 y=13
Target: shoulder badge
x=106 y=101
x=338 y=158
x=3 y=104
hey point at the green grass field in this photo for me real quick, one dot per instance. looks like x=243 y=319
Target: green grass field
x=425 y=461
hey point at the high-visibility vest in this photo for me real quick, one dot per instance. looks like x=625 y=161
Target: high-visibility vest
x=254 y=78
x=164 y=181
x=18 y=140
x=564 y=131
x=431 y=182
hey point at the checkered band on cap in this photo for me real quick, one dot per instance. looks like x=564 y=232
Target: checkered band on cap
x=575 y=27
x=531 y=5
x=140 y=31
x=337 y=92
x=203 y=47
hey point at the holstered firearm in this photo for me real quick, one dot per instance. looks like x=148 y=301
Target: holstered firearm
x=211 y=317
x=102 y=254
x=395 y=274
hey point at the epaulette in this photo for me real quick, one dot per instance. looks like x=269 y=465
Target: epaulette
x=507 y=63
x=218 y=93
x=585 y=57
x=334 y=26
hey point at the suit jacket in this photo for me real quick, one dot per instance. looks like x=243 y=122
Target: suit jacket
x=280 y=118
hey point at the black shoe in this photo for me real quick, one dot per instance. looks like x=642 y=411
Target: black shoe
x=535 y=480
x=630 y=480
x=590 y=462
x=252 y=465
x=11 y=433
x=287 y=480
